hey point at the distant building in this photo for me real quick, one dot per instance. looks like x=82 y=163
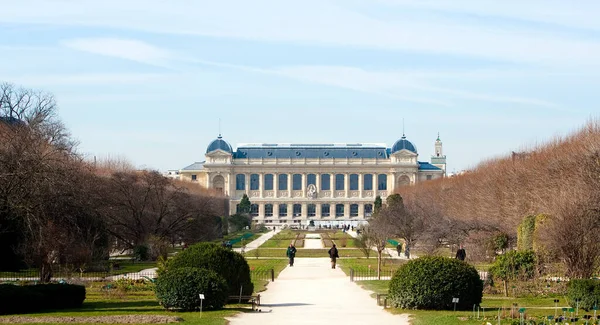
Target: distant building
x=173 y=174
x=328 y=183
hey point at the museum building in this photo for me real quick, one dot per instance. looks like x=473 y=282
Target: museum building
x=330 y=184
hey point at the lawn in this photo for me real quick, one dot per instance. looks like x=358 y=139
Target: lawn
x=301 y=252
x=362 y=264
x=99 y=303
x=538 y=308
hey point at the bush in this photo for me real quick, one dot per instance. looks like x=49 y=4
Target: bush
x=141 y=253
x=514 y=265
x=431 y=282
x=229 y=264
x=16 y=299
x=587 y=291
x=179 y=289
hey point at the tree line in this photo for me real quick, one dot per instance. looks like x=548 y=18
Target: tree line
x=549 y=192
x=58 y=208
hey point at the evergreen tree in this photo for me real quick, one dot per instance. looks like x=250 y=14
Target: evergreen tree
x=377 y=205
x=244 y=206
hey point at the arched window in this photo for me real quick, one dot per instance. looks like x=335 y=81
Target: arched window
x=254 y=210
x=296 y=182
x=283 y=182
x=403 y=181
x=254 y=182
x=268 y=182
x=311 y=210
x=325 y=210
x=297 y=210
x=353 y=182
x=368 y=182
x=354 y=210
x=240 y=182
x=311 y=179
x=283 y=210
x=339 y=210
x=382 y=182
x=368 y=210
x=339 y=182
x=268 y=210
x=325 y=182
x=219 y=183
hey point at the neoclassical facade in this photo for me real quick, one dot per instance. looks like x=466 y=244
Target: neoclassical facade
x=328 y=183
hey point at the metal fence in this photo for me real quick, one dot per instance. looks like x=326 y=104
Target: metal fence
x=33 y=276
x=363 y=275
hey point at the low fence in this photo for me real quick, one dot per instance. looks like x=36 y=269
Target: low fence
x=33 y=276
x=371 y=274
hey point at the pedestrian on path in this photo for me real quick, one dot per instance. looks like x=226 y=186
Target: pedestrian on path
x=291 y=253
x=461 y=254
x=333 y=254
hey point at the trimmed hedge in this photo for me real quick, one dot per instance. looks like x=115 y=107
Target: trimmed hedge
x=586 y=290
x=179 y=289
x=24 y=299
x=232 y=266
x=431 y=282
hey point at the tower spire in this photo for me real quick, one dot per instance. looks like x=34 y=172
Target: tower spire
x=438 y=138
x=403 y=134
x=219 y=127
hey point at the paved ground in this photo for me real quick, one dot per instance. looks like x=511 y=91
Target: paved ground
x=313 y=241
x=259 y=241
x=313 y=293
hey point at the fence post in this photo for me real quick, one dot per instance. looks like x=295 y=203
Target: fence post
x=272 y=275
x=351 y=275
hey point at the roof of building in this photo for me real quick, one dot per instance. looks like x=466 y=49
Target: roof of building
x=404 y=144
x=427 y=166
x=299 y=151
x=219 y=144
x=195 y=166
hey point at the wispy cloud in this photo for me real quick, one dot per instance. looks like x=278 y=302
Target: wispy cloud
x=88 y=79
x=330 y=23
x=122 y=48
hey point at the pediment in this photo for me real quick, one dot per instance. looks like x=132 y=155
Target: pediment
x=404 y=153
x=218 y=153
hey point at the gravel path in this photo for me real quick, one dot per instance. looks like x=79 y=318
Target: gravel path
x=313 y=293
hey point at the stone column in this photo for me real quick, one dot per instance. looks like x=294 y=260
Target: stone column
x=347 y=185
x=261 y=184
x=318 y=211
x=346 y=210
x=318 y=183
x=375 y=185
x=275 y=210
x=261 y=211
x=289 y=184
x=275 y=185
x=360 y=184
x=303 y=187
x=361 y=210
x=304 y=211
x=247 y=178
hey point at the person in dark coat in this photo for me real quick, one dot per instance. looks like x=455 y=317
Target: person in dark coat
x=291 y=253
x=333 y=254
x=461 y=254
x=399 y=249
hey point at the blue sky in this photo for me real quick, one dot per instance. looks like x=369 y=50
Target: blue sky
x=149 y=80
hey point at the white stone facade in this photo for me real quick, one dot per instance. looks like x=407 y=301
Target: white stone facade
x=291 y=184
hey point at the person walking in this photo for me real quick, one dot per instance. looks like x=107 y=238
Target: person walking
x=291 y=253
x=461 y=254
x=399 y=249
x=333 y=254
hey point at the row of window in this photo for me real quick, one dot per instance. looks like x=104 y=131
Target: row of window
x=339 y=182
x=311 y=210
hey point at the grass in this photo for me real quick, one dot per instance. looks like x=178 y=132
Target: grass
x=303 y=252
x=98 y=303
x=362 y=264
x=265 y=265
x=537 y=308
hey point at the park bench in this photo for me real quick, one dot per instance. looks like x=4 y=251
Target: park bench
x=254 y=300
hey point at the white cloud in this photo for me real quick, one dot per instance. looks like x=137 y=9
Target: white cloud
x=88 y=79
x=122 y=48
x=329 y=23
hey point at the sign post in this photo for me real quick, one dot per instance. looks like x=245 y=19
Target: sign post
x=454 y=301
x=522 y=313
x=201 y=299
x=556 y=301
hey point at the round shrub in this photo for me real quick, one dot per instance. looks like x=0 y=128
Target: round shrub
x=60 y=296
x=179 y=289
x=16 y=299
x=230 y=265
x=587 y=291
x=431 y=282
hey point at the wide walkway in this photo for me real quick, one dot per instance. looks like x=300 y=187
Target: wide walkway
x=258 y=241
x=313 y=293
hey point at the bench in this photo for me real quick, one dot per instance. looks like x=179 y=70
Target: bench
x=254 y=300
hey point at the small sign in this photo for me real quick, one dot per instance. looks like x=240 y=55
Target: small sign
x=521 y=310
x=571 y=310
x=455 y=300
x=595 y=307
x=201 y=296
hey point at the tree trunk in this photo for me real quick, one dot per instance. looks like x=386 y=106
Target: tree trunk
x=379 y=264
x=45 y=272
x=505 y=288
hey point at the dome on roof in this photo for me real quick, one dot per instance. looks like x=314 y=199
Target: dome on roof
x=404 y=144
x=219 y=144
